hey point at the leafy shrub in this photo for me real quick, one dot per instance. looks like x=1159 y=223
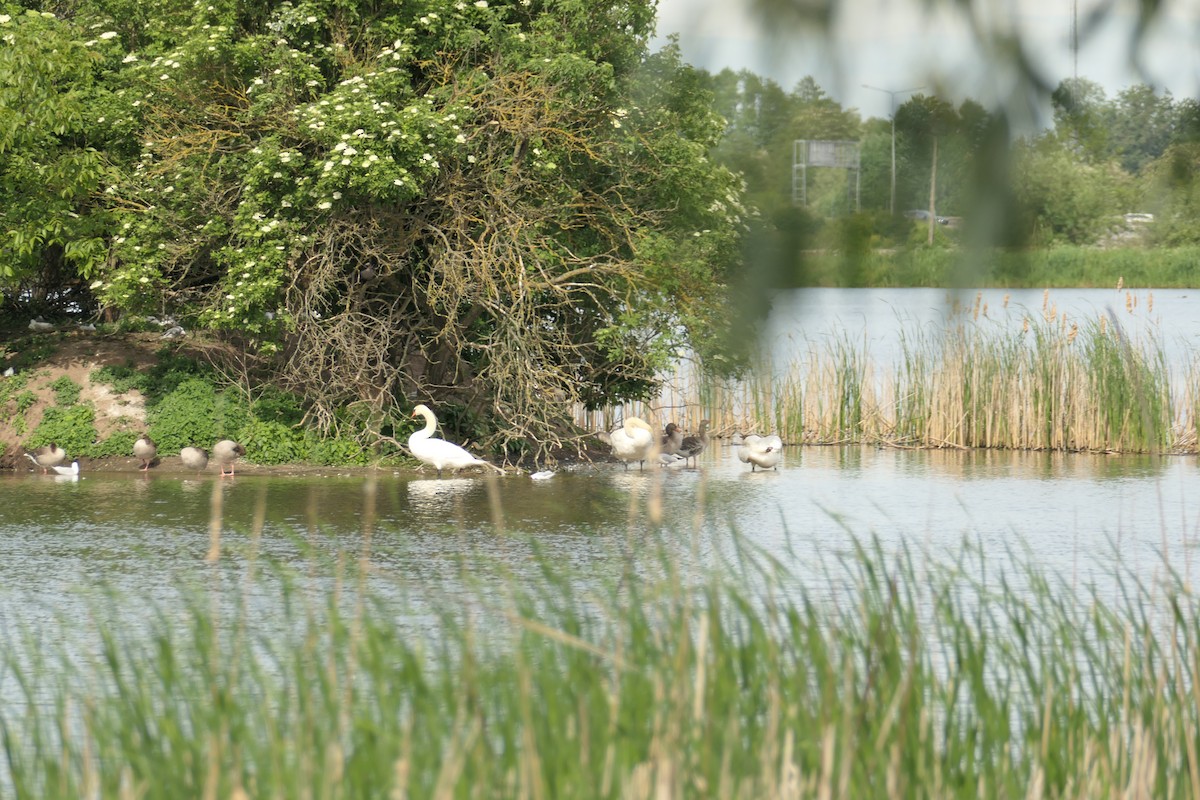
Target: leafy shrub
x=170 y=372
x=119 y=444
x=273 y=443
x=335 y=450
x=73 y=429
x=66 y=391
x=276 y=405
x=186 y=416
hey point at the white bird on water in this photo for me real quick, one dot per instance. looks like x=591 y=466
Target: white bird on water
x=438 y=453
x=72 y=471
x=761 y=451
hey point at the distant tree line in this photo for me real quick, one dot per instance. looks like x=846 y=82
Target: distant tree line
x=1102 y=158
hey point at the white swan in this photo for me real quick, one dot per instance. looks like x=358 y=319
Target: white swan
x=761 y=451
x=633 y=441
x=438 y=453
x=225 y=452
x=693 y=446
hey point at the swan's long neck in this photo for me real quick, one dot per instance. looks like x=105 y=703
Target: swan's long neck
x=430 y=426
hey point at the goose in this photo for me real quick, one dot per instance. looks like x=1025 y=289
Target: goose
x=633 y=441
x=72 y=470
x=693 y=446
x=761 y=451
x=145 y=449
x=672 y=439
x=438 y=453
x=225 y=452
x=49 y=456
x=194 y=458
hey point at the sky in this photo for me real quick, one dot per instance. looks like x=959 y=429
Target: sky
x=895 y=45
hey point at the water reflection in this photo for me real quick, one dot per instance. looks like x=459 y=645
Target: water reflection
x=143 y=532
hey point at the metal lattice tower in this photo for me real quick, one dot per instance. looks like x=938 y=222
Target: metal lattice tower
x=823 y=153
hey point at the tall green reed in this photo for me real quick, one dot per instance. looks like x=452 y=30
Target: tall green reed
x=874 y=674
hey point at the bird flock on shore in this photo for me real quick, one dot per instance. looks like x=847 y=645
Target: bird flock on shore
x=224 y=453
x=633 y=441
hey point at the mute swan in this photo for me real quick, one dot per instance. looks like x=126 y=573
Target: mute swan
x=438 y=453
x=633 y=441
x=693 y=446
x=194 y=458
x=225 y=452
x=49 y=456
x=71 y=470
x=761 y=451
x=672 y=440
x=145 y=449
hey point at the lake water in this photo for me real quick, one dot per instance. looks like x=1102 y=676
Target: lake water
x=1080 y=516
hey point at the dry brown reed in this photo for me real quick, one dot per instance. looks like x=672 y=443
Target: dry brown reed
x=1056 y=383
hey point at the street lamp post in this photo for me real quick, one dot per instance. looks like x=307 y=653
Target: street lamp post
x=892 y=94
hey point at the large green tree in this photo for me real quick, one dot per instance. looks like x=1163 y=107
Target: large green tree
x=505 y=206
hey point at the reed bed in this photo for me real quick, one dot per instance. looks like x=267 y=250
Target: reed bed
x=1053 y=383
x=891 y=675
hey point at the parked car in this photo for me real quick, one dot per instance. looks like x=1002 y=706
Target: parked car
x=922 y=214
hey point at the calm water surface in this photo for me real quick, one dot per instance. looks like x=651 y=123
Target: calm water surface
x=1077 y=515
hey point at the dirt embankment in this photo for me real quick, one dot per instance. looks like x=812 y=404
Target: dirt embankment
x=76 y=355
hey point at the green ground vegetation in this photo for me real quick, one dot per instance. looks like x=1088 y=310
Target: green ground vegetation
x=917 y=678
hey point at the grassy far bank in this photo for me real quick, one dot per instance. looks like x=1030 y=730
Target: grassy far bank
x=1058 y=267
x=94 y=393
x=914 y=678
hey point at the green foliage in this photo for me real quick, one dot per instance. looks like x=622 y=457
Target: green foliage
x=334 y=450
x=66 y=391
x=275 y=405
x=52 y=170
x=25 y=401
x=1042 y=687
x=11 y=386
x=73 y=429
x=1063 y=199
x=186 y=416
x=122 y=378
x=269 y=442
x=119 y=444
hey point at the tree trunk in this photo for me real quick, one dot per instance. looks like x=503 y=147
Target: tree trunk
x=933 y=192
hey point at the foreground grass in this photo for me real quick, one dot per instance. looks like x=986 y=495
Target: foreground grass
x=889 y=675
